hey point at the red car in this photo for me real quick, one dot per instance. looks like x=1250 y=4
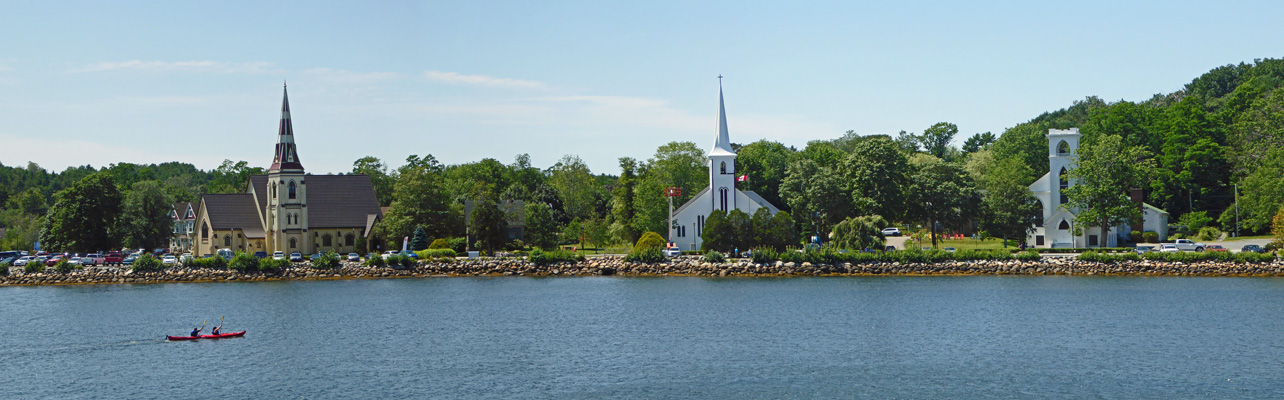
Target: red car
x=1215 y=247
x=54 y=260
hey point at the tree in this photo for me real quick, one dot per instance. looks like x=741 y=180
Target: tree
x=597 y=231
x=978 y=141
x=717 y=234
x=857 y=233
x=541 y=231
x=29 y=201
x=817 y=195
x=378 y=173
x=783 y=234
x=941 y=193
x=144 y=221
x=765 y=163
x=232 y=177
x=575 y=185
x=1259 y=192
x=419 y=240
x=622 y=201
x=761 y=232
x=1102 y=174
x=419 y=199
x=739 y=230
x=488 y=223
x=676 y=164
x=83 y=217
x=1008 y=209
x=936 y=139
x=877 y=174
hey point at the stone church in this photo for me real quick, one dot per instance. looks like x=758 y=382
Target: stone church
x=288 y=210
x=688 y=221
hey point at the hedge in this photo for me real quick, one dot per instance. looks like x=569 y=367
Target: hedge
x=646 y=255
x=542 y=257
x=147 y=263
x=1185 y=257
x=831 y=256
x=432 y=253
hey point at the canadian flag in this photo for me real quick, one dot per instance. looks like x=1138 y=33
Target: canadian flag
x=742 y=178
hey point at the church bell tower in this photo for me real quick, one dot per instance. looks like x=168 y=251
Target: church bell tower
x=722 y=163
x=287 y=208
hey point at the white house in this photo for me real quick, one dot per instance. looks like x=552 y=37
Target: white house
x=1056 y=228
x=688 y=220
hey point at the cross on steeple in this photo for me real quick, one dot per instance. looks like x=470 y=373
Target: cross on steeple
x=719 y=79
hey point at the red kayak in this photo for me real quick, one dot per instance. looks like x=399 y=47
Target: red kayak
x=218 y=336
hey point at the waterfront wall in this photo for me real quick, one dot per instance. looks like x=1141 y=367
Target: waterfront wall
x=680 y=266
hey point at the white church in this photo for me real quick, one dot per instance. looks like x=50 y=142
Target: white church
x=1056 y=229
x=687 y=223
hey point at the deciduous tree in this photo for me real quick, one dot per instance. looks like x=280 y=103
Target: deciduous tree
x=1103 y=172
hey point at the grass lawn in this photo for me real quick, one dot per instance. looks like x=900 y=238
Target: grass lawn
x=1232 y=239
x=619 y=250
x=968 y=244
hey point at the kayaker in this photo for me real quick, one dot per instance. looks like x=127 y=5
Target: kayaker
x=196 y=331
x=215 y=331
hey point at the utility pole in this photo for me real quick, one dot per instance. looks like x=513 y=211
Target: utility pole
x=1236 y=210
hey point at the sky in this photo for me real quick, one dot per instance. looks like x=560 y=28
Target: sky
x=98 y=83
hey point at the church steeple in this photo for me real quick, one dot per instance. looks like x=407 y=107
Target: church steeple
x=721 y=144
x=287 y=157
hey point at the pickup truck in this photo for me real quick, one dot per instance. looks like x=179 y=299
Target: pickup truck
x=113 y=258
x=1189 y=245
x=92 y=259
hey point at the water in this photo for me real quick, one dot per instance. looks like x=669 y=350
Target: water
x=882 y=337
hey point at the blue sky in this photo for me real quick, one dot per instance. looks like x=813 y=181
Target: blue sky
x=146 y=82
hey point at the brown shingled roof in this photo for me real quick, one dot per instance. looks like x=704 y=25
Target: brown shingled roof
x=334 y=201
x=233 y=211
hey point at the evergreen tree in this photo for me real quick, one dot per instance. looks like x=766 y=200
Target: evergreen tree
x=420 y=239
x=622 y=201
x=541 y=231
x=717 y=234
x=488 y=222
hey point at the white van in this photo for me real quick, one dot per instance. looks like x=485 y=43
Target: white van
x=227 y=254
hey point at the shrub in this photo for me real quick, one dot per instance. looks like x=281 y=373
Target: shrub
x=147 y=263
x=792 y=255
x=273 y=265
x=432 y=253
x=244 y=263
x=459 y=245
x=211 y=262
x=439 y=244
x=1208 y=233
x=649 y=256
x=714 y=257
x=542 y=257
x=374 y=260
x=967 y=255
x=1028 y=256
x=4 y=269
x=64 y=267
x=327 y=260
x=765 y=255
x=1150 y=236
x=1108 y=257
x=400 y=261
x=33 y=267
x=1135 y=236
x=650 y=240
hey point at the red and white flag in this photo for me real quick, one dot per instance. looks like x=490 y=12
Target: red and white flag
x=742 y=178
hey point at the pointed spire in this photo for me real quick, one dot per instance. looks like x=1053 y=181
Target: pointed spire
x=287 y=157
x=722 y=143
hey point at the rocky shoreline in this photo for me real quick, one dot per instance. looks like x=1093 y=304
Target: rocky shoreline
x=679 y=266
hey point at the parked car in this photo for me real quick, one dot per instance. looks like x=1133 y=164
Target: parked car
x=412 y=254
x=891 y=231
x=113 y=258
x=1189 y=245
x=23 y=261
x=1252 y=248
x=185 y=258
x=296 y=257
x=53 y=260
x=227 y=254
x=278 y=255
x=169 y=259
x=129 y=260
x=260 y=254
x=388 y=253
x=354 y=257
x=1215 y=247
x=1168 y=248
x=1144 y=249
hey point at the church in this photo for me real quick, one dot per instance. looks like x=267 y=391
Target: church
x=687 y=223
x=288 y=210
x=1056 y=227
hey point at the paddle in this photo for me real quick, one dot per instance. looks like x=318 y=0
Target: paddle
x=220 y=324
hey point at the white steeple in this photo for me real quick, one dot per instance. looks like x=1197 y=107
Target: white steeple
x=722 y=144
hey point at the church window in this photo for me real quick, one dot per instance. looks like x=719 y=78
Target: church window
x=700 y=225
x=1039 y=222
x=1065 y=184
x=227 y=240
x=347 y=240
x=205 y=232
x=724 y=167
x=723 y=193
x=1065 y=226
x=294 y=243
x=292 y=190
x=274 y=190
x=325 y=240
x=1063 y=148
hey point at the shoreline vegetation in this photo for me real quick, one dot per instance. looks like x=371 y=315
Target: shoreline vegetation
x=692 y=266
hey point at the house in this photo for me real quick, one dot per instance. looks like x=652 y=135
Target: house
x=287 y=209
x=1056 y=227
x=687 y=223
x=184 y=219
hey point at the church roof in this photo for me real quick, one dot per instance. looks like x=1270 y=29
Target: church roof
x=334 y=201
x=233 y=211
x=287 y=157
x=722 y=143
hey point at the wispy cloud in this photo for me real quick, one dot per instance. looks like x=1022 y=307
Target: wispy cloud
x=218 y=67
x=349 y=77
x=456 y=78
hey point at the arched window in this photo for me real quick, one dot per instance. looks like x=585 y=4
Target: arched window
x=1039 y=222
x=1063 y=148
x=292 y=189
x=294 y=243
x=1065 y=226
x=205 y=231
x=347 y=240
x=227 y=240
x=724 y=167
x=274 y=190
x=1065 y=184
x=325 y=240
